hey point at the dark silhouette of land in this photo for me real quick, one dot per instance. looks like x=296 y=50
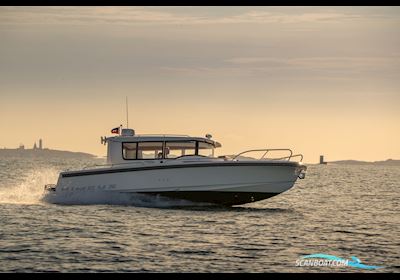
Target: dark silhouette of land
x=40 y=153
x=388 y=162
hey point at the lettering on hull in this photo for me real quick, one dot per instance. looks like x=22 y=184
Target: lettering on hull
x=89 y=188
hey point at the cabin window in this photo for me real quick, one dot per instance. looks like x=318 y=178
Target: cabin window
x=206 y=149
x=129 y=150
x=178 y=149
x=149 y=150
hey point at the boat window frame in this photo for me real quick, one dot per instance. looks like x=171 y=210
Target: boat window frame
x=137 y=149
x=163 y=148
x=196 y=146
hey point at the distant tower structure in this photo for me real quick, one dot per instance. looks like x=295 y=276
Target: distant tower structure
x=40 y=144
x=21 y=146
x=34 y=146
x=321 y=160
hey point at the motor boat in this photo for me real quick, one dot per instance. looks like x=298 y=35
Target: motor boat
x=184 y=168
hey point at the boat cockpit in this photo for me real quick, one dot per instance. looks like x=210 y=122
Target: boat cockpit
x=129 y=147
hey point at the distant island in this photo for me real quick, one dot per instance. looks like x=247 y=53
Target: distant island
x=39 y=151
x=31 y=153
x=389 y=162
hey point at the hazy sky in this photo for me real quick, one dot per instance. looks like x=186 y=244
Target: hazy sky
x=318 y=80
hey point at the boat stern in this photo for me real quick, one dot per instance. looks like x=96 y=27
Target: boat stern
x=50 y=187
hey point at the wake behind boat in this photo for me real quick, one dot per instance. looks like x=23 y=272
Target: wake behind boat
x=182 y=167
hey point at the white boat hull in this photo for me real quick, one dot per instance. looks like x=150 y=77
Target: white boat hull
x=227 y=183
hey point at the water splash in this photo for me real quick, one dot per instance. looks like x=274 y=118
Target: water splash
x=30 y=190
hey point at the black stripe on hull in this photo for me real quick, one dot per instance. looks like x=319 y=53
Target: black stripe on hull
x=217 y=164
x=215 y=197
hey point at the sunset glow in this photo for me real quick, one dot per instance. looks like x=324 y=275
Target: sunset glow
x=318 y=80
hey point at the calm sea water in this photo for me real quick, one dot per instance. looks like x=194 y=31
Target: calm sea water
x=338 y=210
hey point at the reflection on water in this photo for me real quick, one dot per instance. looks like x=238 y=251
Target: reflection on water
x=337 y=210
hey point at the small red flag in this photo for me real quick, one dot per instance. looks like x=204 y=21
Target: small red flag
x=115 y=130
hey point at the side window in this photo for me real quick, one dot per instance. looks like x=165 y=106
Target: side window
x=149 y=150
x=129 y=150
x=178 y=149
x=206 y=149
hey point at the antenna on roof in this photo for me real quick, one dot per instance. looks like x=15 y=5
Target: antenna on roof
x=127 y=112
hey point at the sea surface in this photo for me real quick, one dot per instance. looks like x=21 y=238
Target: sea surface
x=341 y=210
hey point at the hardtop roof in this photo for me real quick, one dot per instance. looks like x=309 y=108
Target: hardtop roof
x=161 y=137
